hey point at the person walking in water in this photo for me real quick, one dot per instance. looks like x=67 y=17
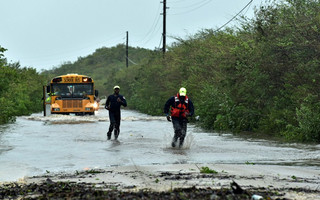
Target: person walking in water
x=113 y=104
x=181 y=108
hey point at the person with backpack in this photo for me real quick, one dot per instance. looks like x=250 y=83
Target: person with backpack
x=177 y=109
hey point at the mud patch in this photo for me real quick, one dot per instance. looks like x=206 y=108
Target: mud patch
x=73 y=190
x=184 y=181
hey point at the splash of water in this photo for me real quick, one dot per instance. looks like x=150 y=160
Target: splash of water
x=73 y=119
x=188 y=141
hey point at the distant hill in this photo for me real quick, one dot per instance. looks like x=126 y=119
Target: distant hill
x=102 y=65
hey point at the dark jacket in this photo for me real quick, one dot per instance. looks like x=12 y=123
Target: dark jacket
x=114 y=104
x=171 y=103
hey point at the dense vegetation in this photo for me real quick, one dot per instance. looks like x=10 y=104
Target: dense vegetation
x=262 y=76
x=20 y=90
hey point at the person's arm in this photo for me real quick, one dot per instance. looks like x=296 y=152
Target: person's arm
x=166 y=108
x=124 y=101
x=107 y=103
x=169 y=102
x=191 y=108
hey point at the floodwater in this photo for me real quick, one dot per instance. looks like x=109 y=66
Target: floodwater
x=35 y=145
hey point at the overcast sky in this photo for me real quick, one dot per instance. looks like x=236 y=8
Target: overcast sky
x=46 y=33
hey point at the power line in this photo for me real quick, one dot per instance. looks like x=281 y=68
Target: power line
x=131 y=61
x=179 y=1
x=234 y=16
x=184 y=2
x=160 y=42
x=192 y=5
x=154 y=25
x=157 y=30
x=247 y=9
x=205 y=2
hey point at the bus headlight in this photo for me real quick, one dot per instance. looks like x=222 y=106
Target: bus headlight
x=95 y=105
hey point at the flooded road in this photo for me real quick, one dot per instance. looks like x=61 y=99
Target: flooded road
x=37 y=145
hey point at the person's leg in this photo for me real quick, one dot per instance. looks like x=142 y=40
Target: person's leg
x=112 y=124
x=177 y=131
x=183 y=124
x=117 y=117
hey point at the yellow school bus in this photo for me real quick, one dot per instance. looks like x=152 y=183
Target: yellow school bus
x=73 y=93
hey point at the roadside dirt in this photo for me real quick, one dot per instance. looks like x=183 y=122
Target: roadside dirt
x=179 y=181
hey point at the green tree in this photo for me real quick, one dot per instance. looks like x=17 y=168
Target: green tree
x=21 y=90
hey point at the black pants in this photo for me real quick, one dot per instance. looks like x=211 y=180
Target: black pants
x=115 y=118
x=180 y=129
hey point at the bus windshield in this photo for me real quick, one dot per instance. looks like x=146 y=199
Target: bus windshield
x=74 y=90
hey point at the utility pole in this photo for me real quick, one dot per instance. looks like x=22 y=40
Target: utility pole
x=44 y=101
x=127 y=50
x=164 y=25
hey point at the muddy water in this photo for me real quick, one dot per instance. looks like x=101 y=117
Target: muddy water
x=37 y=145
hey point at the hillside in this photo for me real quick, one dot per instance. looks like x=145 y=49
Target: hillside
x=103 y=65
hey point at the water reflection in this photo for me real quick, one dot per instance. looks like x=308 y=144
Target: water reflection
x=4 y=147
x=113 y=146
